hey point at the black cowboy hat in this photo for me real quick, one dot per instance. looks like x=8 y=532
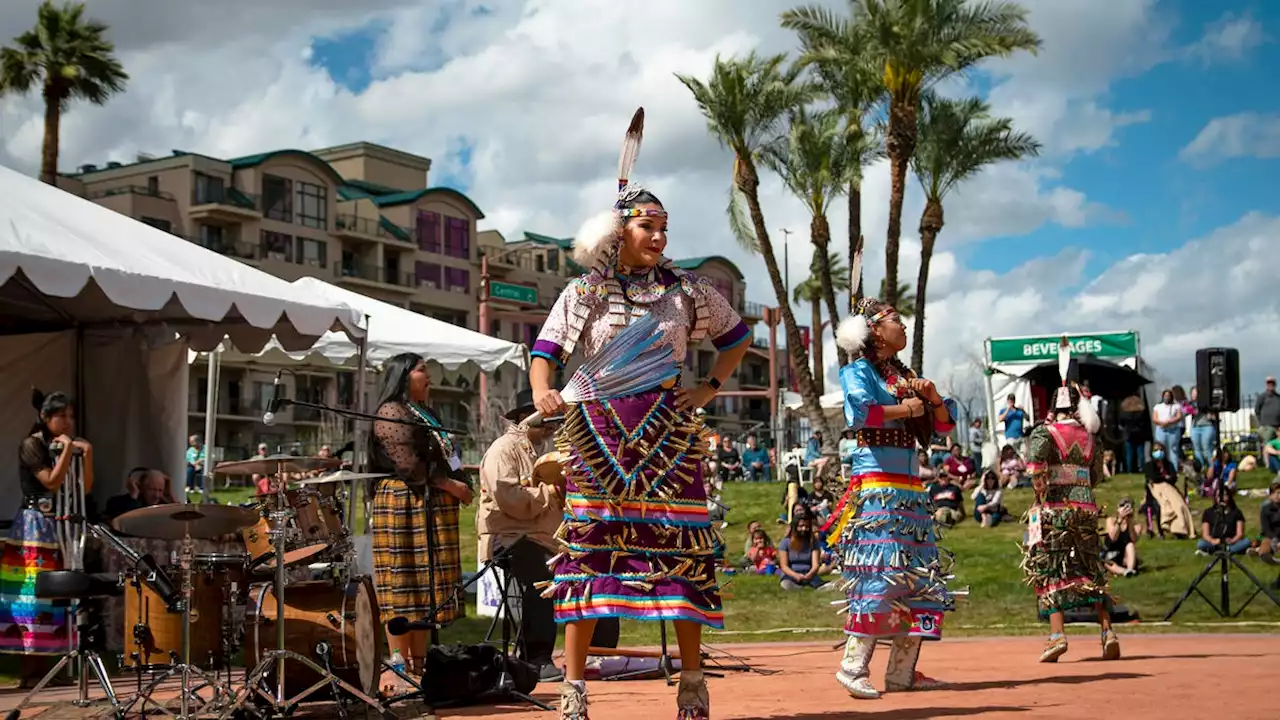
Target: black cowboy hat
x=523 y=408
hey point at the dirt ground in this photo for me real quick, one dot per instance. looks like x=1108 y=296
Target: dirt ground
x=1227 y=676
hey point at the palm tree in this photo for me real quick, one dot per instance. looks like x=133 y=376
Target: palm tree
x=811 y=159
x=811 y=291
x=957 y=139
x=745 y=101
x=69 y=58
x=833 y=46
x=906 y=306
x=914 y=44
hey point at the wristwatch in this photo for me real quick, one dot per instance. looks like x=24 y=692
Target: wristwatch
x=714 y=383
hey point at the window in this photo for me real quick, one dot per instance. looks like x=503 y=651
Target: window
x=277 y=246
x=311 y=252
x=457 y=239
x=262 y=394
x=153 y=185
x=539 y=263
x=457 y=279
x=277 y=198
x=211 y=237
x=530 y=334
x=553 y=260
x=428 y=228
x=164 y=225
x=392 y=270
x=495 y=329
x=209 y=189
x=313 y=205
x=428 y=274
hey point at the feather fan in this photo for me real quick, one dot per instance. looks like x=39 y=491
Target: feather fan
x=629 y=363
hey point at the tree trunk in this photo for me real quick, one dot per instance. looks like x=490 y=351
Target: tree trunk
x=748 y=181
x=820 y=232
x=855 y=241
x=815 y=339
x=930 y=225
x=52 y=123
x=900 y=144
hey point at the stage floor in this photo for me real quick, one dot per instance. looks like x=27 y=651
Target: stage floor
x=1228 y=676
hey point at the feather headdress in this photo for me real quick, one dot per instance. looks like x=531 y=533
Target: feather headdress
x=597 y=239
x=1083 y=407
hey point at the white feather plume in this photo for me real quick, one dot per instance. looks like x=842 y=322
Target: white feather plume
x=1088 y=416
x=852 y=334
x=595 y=238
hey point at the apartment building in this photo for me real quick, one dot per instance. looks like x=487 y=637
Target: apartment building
x=360 y=215
x=366 y=217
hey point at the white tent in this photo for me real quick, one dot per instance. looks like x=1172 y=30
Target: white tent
x=100 y=305
x=1009 y=358
x=394 y=330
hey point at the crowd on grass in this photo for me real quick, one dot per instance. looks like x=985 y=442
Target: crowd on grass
x=1172 y=446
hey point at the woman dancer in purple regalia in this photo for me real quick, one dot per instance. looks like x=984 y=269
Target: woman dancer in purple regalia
x=636 y=536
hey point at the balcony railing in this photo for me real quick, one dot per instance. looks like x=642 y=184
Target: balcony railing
x=373 y=273
x=224 y=196
x=131 y=190
x=231 y=248
x=381 y=227
x=248 y=406
x=752 y=309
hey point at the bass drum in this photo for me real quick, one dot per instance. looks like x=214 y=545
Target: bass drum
x=346 y=618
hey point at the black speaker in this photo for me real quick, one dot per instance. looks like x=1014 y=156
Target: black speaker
x=1218 y=379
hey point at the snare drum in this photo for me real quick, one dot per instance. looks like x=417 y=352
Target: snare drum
x=153 y=634
x=344 y=618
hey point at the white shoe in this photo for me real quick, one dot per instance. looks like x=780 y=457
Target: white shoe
x=858 y=687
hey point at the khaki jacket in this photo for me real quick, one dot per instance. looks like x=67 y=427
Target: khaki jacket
x=511 y=502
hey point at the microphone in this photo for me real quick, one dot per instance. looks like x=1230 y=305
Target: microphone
x=269 y=417
x=402 y=625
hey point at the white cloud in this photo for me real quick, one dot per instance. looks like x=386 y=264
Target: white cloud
x=1227 y=39
x=1247 y=134
x=541 y=90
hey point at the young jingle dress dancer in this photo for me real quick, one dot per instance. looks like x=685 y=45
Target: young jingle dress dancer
x=883 y=526
x=637 y=542
x=1061 y=558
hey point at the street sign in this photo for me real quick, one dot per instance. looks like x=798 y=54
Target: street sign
x=1042 y=348
x=511 y=292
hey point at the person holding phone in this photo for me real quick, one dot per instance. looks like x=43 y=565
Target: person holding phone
x=1120 y=541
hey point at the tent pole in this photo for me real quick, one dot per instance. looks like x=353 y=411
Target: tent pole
x=991 y=398
x=362 y=429
x=210 y=417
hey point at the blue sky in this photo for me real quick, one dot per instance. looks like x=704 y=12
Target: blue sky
x=1165 y=200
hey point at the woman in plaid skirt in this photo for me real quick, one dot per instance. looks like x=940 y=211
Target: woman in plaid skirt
x=422 y=462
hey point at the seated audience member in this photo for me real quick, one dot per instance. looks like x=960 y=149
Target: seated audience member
x=939 y=449
x=144 y=488
x=1165 y=505
x=728 y=460
x=1270 y=517
x=948 y=501
x=1120 y=541
x=1108 y=464
x=1271 y=455
x=1221 y=472
x=1012 y=468
x=762 y=557
x=813 y=450
x=820 y=501
x=755 y=461
x=848 y=443
x=1222 y=525
x=987 y=506
x=927 y=473
x=749 y=542
x=799 y=557
x=961 y=469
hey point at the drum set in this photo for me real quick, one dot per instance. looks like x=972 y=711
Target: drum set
x=190 y=617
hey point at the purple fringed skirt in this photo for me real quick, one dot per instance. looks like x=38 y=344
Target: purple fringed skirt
x=637 y=541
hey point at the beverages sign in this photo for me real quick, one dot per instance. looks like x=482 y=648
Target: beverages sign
x=522 y=294
x=1045 y=347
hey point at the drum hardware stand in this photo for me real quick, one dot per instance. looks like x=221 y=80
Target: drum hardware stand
x=275 y=659
x=187 y=670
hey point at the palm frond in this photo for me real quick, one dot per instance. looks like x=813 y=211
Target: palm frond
x=739 y=223
x=958 y=138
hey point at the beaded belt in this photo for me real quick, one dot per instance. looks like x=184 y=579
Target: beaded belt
x=886 y=437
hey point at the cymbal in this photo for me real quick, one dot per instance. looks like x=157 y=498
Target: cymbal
x=175 y=520
x=276 y=464
x=341 y=476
